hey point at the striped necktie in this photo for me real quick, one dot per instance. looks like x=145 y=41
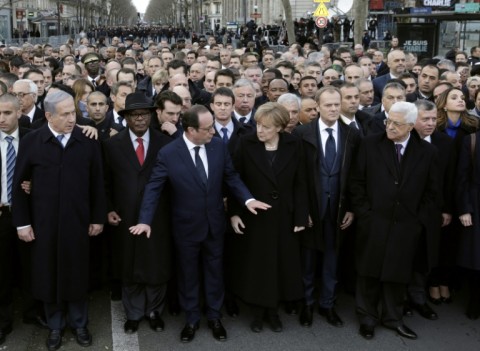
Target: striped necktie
x=11 y=158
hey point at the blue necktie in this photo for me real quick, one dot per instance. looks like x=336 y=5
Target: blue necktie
x=225 y=135
x=11 y=157
x=200 y=166
x=243 y=120
x=398 y=148
x=60 y=138
x=330 y=150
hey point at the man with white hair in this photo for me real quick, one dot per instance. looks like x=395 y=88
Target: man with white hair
x=26 y=92
x=393 y=191
x=292 y=103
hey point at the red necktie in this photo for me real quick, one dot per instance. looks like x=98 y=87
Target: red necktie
x=140 y=151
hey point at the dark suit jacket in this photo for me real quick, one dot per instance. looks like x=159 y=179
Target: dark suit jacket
x=346 y=147
x=378 y=85
x=198 y=209
x=412 y=97
x=383 y=69
x=395 y=206
x=70 y=181
x=136 y=258
x=110 y=117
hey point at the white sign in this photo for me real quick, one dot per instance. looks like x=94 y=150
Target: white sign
x=438 y=3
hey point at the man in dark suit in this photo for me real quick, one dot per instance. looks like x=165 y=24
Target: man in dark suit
x=244 y=92
x=396 y=63
x=143 y=264
x=427 y=81
x=393 y=191
x=196 y=166
x=381 y=67
x=10 y=135
x=97 y=109
x=26 y=92
x=118 y=94
x=329 y=149
x=425 y=128
x=169 y=107
x=349 y=112
x=65 y=170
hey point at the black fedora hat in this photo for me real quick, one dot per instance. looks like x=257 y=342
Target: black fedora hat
x=137 y=101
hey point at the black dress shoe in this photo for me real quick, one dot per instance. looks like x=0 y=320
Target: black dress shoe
x=407 y=310
x=188 y=332
x=257 y=325
x=54 y=340
x=218 y=331
x=156 y=322
x=131 y=326
x=425 y=311
x=83 y=337
x=291 y=308
x=332 y=316
x=231 y=308
x=38 y=321
x=367 y=331
x=4 y=332
x=306 y=316
x=275 y=323
x=404 y=331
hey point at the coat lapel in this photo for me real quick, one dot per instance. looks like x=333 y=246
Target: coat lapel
x=284 y=155
x=387 y=151
x=186 y=158
x=128 y=150
x=411 y=157
x=260 y=159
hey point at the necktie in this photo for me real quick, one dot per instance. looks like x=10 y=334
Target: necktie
x=140 y=151
x=330 y=150
x=60 y=139
x=120 y=120
x=354 y=124
x=398 y=148
x=11 y=157
x=243 y=120
x=200 y=166
x=225 y=135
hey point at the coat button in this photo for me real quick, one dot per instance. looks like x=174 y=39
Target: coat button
x=274 y=195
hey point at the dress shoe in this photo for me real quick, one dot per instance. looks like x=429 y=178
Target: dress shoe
x=231 y=308
x=435 y=301
x=257 y=325
x=404 y=331
x=291 y=308
x=54 y=340
x=367 y=331
x=156 y=322
x=447 y=300
x=332 y=316
x=38 y=321
x=188 y=332
x=306 y=316
x=407 y=310
x=275 y=323
x=425 y=311
x=4 y=332
x=218 y=331
x=131 y=326
x=83 y=337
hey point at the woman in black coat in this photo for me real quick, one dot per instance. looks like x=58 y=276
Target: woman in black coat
x=266 y=266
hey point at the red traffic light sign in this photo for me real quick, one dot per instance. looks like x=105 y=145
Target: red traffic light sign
x=321 y=22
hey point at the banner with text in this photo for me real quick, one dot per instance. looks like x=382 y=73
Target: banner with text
x=420 y=38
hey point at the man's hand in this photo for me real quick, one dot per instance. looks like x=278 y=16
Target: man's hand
x=237 y=224
x=95 y=229
x=446 y=219
x=112 y=132
x=113 y=218
x=347 y=220
x=466 y=220
x=257 y=205
x=169 y=127
x=26 y=234
x=89 y=131
x=140 y=228
x=26 y=186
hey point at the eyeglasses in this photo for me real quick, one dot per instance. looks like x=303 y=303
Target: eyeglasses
x=137 y=116
x=20 y=95
x=207 y=129
x=396 y=124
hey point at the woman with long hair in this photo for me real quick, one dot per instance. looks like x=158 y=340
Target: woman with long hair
x=82 y=88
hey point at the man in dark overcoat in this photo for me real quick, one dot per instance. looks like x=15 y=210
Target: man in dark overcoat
x=393 y=192
x=65 y=207
x=144 y=264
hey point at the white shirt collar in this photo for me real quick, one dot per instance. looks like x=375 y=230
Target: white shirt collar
x=323 y=126
x=145 y=137
x=15 y=134
x=190 y=145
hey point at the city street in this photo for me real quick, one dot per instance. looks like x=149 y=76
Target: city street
x=453 y=331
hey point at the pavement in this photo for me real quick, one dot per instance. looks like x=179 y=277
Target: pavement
x=452 y=331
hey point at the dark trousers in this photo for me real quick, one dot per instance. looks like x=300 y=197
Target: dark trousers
x=210 y=251
x=370 y=292
x=416 y=289
x=7 y=244
x=141 y=300
x=73 y=312
x=328 y=260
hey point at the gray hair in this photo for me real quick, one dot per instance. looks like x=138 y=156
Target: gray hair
x=32 y=87
x=289 y=98
x=407 y=109
x=243 y=83
x=425 y=105
x=52 y=100
x=315 y=57
x=393 y=85
x=447 y=64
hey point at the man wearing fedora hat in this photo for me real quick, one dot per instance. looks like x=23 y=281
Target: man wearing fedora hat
x=143 y=264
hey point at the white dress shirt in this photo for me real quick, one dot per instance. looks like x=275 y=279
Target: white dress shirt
x=238 y=116
x=322 y=127
x=202 y=152
x=146 y=141
x=229 y=127
x=66 y=137
x=3 y=150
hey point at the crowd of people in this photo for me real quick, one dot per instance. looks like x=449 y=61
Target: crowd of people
x=195 y=175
